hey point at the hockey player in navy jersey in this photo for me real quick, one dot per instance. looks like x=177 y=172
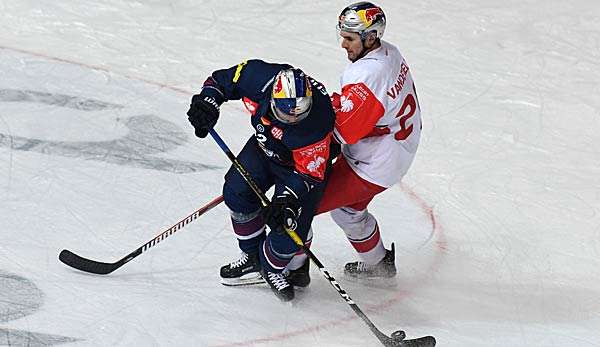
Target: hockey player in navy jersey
x=293 y=120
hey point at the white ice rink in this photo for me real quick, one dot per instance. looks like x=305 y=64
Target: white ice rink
x=497 y=224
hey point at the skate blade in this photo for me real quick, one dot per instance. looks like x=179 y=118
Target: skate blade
x=371 y=276
x=246 y=280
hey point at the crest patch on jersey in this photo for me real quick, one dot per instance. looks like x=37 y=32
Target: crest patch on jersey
x=311 y=160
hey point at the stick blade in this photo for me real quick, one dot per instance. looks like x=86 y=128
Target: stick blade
x=96 y=267
x=425 y=341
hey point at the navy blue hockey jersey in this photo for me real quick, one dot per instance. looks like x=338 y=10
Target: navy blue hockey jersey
x=304 y=146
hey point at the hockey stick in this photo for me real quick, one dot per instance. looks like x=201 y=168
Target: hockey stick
x=397 y=337
x=101 y=268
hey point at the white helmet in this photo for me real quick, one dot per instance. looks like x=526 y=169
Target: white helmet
x=362 y=18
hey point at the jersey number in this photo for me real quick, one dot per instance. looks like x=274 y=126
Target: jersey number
x=405 y=132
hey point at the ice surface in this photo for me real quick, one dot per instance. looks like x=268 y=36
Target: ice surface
x=497 y=224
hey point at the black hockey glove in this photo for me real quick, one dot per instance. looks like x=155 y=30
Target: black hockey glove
x=282 y=213
x=203 y=114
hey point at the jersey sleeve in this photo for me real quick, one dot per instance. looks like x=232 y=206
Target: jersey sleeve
x=357 y=109
x=247 y=79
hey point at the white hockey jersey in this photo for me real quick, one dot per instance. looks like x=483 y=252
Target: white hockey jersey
x=378 y=118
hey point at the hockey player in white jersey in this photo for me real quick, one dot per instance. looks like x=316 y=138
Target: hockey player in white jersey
x=378 y=123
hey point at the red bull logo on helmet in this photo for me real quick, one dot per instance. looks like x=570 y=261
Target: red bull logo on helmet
x=291 y=84
x=372 y=13
x=291 y=98
x=278 y=89
x=369 y=15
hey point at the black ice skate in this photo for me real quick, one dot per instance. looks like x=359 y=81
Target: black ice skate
x=299 y=277
x=280 y=286
x=385 y=268
x=243 y=271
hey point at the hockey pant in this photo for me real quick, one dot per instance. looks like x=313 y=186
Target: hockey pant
x=348 y=195
x=275 y=249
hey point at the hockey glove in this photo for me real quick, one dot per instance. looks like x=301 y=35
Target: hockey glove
x=203 y=114
x=282 y=213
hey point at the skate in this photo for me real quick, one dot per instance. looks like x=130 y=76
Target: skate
x=299 y=277
x=384 y=269
x=244 y=271
x=279 y=285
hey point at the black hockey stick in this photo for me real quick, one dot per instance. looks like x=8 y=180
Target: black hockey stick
x=397 y=337
x=101 y=268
